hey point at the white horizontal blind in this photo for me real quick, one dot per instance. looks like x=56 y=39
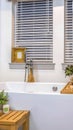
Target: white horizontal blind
x=34 y=30
x=68 y=31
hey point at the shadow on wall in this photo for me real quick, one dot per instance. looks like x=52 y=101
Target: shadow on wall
x=58 y=3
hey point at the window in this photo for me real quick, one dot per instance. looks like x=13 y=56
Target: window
x=34 y=30
x=68 y=31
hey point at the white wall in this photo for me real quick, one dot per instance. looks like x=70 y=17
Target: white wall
x=7 y=74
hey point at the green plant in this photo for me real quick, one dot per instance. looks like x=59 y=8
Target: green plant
x=69 y=70
x=3 y=97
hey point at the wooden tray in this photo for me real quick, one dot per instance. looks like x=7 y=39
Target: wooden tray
x=68 y=89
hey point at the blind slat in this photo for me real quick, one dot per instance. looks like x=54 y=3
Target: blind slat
x=69 y=31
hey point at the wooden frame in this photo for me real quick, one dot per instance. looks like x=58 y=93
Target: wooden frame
x=18 y=55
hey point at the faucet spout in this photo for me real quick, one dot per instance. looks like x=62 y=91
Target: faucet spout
x=29 y=69
x=26 y=67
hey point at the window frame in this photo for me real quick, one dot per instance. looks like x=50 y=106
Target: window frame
x=65 y=64
x=51 y=66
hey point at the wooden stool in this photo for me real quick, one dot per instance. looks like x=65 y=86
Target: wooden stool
x=14 y=119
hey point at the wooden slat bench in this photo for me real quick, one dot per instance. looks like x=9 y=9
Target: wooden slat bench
x=14 y=119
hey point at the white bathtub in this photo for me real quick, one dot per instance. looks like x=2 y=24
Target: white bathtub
x=35 y=88
x=48 y=110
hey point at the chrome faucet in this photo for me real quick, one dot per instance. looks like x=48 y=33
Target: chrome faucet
x=27 y=66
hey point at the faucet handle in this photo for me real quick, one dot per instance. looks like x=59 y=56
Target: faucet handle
x=26 y=65
x=31 y=63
